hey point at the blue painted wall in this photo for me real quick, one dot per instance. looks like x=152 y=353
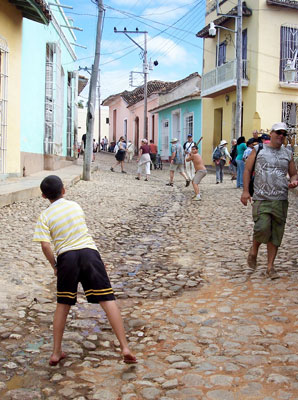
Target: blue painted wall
x=192 y=106
x=35 y=38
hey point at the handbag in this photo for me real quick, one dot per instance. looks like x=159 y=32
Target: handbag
x=252 y=175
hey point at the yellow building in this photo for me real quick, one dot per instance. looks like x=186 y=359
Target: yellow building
x=269 y=39
x=11 y=16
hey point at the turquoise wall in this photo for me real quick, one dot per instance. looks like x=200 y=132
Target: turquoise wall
x=192 y=106
x=35 y=37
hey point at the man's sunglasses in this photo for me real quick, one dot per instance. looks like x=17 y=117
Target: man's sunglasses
x=281 y=133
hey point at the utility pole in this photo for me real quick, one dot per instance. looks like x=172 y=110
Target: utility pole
x=239 y=71
x=145 y=68
x=145 y=71
x=99 y=114
x=92 y=98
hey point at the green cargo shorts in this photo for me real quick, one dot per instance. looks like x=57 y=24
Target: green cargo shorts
x=270 y=219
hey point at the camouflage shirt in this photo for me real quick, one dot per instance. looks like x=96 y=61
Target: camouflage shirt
x=271 y=173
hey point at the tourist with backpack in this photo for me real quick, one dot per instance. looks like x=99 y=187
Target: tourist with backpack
x=219 y=156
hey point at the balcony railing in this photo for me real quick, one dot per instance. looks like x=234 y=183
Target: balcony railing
x=223 y=79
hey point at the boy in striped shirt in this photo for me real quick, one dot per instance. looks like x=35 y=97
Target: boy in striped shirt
x=78 y=260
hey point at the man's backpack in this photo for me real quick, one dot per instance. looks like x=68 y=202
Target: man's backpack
x=217 y=154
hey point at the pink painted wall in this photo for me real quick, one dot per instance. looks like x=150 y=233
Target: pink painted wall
x=122 y=113
x=131 y=113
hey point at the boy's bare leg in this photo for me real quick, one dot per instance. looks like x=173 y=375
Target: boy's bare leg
x=59 y=322
x=113 y=314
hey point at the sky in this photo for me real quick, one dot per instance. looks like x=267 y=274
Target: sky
x=171 y=25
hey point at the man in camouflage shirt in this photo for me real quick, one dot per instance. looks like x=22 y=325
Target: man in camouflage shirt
x=270 y=199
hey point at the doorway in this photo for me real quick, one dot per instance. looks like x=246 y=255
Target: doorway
x=176 y=130
x=217 y=132
x=114 y=125
x=164 y=153
x=137 y=134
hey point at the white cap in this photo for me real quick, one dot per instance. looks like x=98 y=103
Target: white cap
x=279 y=126
x=223 y=142
x=174 y=140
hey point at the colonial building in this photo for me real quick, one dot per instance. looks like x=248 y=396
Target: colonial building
x=12 y=14
x=49 y=89
x=126 y=113
x=179 y=113
x=269 y=39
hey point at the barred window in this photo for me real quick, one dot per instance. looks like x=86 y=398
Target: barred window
x=290 y=114
x=288 y=46
x=188 y=125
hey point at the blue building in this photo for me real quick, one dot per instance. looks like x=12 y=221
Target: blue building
x=49 y=87
x=179 y=113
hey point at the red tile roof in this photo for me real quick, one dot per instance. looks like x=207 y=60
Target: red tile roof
x=158 y=87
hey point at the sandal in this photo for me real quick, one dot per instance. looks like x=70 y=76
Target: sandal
x=272 y=274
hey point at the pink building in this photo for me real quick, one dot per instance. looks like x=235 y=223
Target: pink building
x=126 y=113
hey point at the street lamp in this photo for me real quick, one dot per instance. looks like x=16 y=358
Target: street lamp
x=290 y=70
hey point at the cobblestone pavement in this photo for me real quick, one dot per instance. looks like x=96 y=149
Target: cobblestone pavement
x=202 y=324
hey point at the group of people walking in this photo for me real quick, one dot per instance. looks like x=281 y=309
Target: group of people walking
x=146 y=156
x=240 y=150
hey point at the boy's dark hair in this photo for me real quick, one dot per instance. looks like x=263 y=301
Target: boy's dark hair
x=51 y=187
x=195 y=147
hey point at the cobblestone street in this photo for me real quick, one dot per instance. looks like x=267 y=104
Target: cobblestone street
x=202 y=324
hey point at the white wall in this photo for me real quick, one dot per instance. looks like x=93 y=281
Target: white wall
x=82 y=115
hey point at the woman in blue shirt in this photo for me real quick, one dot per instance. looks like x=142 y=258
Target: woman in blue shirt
x=241 y=147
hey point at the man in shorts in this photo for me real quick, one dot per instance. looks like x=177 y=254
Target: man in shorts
x=177 y=162
x=270 y=199
x=200 y=169
x=78 y=260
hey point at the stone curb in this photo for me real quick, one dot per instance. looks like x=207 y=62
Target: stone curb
x=33 y=189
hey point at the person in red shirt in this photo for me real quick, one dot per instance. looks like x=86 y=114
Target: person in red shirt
x=153 y=153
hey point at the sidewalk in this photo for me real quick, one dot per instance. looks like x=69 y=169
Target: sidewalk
x=18 y=189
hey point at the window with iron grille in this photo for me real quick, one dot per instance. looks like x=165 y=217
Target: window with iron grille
x=3 y=102
x=188 y=125
x=49 y=100
x=288 y=46
x=290 y=114
x=70 y=113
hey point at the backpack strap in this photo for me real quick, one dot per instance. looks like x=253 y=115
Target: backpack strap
x=260 y=147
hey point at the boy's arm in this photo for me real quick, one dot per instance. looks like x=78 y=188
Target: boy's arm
x=189 y=158
x=48 y=252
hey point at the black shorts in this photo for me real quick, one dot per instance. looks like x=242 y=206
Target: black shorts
x=83 y=266
x=120 y=155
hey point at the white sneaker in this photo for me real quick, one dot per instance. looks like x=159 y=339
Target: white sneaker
x=198 y=198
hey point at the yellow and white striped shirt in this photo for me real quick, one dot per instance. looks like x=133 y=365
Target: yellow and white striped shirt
x=63 y=222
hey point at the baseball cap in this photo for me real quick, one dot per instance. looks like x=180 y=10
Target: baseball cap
x=265 y=136
x=279 y=126
x=223 y=142
x=189 y=135
x=251 y=141
x=174 y=140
